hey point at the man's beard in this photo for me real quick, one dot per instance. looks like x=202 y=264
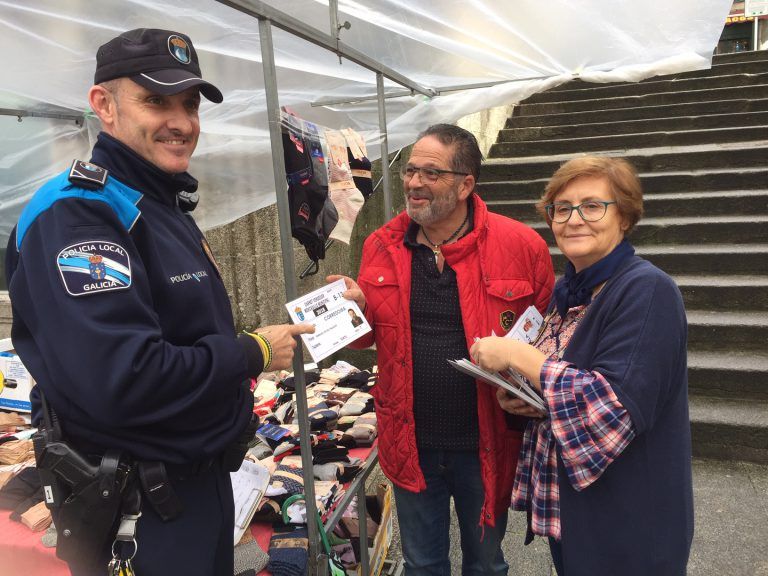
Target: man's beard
x=438 y=209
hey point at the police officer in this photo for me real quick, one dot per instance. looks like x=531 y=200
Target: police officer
x=120 y=312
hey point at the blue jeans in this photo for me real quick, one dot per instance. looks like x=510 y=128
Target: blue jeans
x=424 y=518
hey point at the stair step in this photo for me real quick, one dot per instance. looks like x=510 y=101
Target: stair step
x=653 y=183
x=715 y=157
x=600 y=114
x=722 y=65
x=664 y=98
x=684 y=230
x=739 y=57
x=679 y=124
x=620 y=142
x=712 y=203
x=725 y=69
x=656 y=85
x=736 y=292
x=717 y=330
x=729 y=429
x=683 y=259
x=731 y=374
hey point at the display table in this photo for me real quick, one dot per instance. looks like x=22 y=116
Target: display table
x=22 y=553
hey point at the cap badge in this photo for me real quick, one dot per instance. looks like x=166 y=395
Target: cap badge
x=179 y=49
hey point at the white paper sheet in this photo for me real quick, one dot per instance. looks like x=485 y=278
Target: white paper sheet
x=337 y=321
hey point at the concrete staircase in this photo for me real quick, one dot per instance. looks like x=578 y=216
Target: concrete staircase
x=700 y=143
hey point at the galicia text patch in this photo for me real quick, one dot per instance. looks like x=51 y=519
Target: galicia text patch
x=94 y=266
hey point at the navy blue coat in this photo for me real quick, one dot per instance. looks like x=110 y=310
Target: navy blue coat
x=121 y=316
x=637 y=518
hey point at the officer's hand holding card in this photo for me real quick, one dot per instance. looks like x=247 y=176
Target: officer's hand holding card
x=337 y=321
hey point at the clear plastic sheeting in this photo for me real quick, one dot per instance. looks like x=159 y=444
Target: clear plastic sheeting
x=526 y=46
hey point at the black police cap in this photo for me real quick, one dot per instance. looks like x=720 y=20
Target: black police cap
x=161 y=61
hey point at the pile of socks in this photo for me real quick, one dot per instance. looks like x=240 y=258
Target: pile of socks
x=288 y=552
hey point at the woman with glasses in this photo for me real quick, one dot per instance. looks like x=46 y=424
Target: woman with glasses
x=605 y=472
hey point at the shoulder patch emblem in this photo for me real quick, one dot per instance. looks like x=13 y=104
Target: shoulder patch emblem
x=87 y=175
x=507 y=319
x=94 y=266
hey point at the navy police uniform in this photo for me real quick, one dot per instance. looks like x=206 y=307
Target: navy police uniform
x=121 y=316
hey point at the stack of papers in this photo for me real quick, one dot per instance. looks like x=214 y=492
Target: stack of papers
x=511 y=382
x=526 y=330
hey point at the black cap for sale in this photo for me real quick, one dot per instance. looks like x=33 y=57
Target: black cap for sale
x=161 y=61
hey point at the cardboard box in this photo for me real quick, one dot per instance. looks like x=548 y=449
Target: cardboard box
x=383 y=539
x=15 y=382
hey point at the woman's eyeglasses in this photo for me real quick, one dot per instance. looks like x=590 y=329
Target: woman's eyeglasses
x=590 y=211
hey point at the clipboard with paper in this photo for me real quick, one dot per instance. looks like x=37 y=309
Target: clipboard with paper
x=248 y=486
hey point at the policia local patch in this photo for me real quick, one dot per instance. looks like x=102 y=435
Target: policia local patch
x=94 y=266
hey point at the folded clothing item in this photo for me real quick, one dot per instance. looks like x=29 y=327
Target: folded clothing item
x=21 y=492
x=362 y=381
x=288 y=552
x=285 y=480
x=249 y=555
x=260 y=450
x=321 y=417
x=339 y=395
x=37 y=518
x=289 y=383
x=329 y=451
x=341 y=471
x=364 y=429
x=268 y=510
x=345 y=422
x=358 y=403
x=15 y=451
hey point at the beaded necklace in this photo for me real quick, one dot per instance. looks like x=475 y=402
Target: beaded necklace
x=436 y=247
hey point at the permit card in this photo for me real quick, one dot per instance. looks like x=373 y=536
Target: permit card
x=337 y=321
x=527 y=327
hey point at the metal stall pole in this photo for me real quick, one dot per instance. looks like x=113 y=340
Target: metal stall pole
x=384 y=148
x=362 y=515
x=316 y=563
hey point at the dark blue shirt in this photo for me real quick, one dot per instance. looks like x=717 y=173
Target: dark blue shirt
x=444 y=399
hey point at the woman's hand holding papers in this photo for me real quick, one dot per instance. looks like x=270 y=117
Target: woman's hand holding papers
x=496 y=354
x=515 y=405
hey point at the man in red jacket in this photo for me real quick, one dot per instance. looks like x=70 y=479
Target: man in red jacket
x=439 y=275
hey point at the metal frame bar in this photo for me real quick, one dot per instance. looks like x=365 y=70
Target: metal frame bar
x=296 y=27
x=79 y=119
x=314 y=560
x=437 y=91
x=384 y=146
x=317 y=564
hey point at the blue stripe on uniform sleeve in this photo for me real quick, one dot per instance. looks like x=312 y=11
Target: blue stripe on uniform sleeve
x=121 y=198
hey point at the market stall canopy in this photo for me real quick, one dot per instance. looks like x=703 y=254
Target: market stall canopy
x=513 y=48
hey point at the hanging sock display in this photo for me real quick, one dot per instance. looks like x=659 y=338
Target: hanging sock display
x=329 y=179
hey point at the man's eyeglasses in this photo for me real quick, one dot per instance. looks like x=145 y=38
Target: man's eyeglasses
x=590 y=211
x=428 y=175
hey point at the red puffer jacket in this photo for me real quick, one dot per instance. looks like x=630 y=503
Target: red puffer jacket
x=501 y=266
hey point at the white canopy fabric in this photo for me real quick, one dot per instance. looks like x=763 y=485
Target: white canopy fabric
x=48 y=50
